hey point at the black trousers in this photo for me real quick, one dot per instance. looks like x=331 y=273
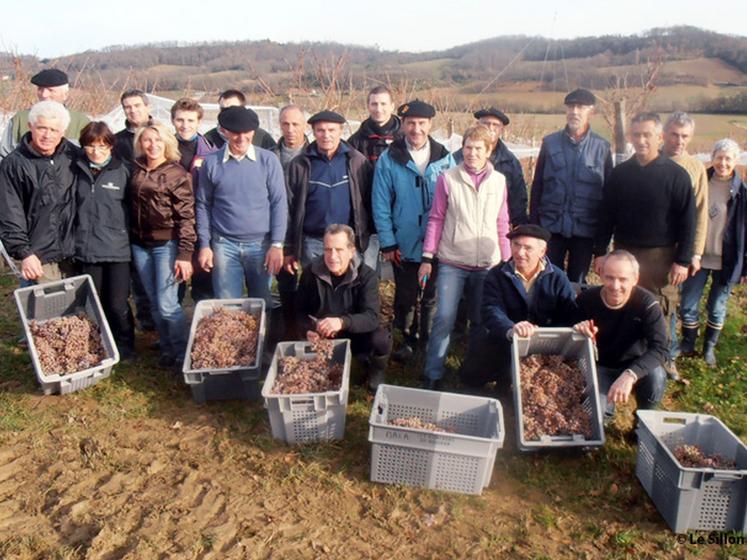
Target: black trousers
x=579 y=251
x=487 y=360
x=142 y=303
x=415 y=324
x=112 y=281
x=376 y=343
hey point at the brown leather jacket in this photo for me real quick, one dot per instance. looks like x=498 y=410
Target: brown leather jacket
x=162 y=207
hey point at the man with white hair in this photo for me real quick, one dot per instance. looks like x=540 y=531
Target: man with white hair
x=51 y=84
x=37 y=196
x=628 y=327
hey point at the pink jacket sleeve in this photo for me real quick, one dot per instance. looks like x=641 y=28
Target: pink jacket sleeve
x=503 y=223
x=435 y=226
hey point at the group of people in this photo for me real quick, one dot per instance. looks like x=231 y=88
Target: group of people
x=147 y=209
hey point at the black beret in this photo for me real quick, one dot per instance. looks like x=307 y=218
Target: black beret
x=493 y=112
x=580 y=97
x=326 y=116
x=51 y=77
x=238 y=119
x=418 y=109
x=529 y=230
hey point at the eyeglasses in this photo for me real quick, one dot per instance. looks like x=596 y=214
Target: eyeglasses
x=99 y=149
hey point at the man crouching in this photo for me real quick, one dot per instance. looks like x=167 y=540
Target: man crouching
x=338 y=297
x=628 y=325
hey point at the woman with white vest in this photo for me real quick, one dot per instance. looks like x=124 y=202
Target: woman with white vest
x=466 y=232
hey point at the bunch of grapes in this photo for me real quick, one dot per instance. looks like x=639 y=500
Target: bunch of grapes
x=552 y=396
x=67 y=344
x=692 y=457
x=420 y=424
x=316 y=375
x=225 y=338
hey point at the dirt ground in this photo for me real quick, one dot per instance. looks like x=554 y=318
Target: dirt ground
x=133 y=468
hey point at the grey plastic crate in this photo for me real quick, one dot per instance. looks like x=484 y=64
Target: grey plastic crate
x=457 y=462
x=233 y=383
x=307 y=417
x=568 y=343
x=57 y=299
x=689 y=498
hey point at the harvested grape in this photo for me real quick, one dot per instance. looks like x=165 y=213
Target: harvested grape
x=692 y=457
x=225 y=338
x=316 y=375
x=67 y=344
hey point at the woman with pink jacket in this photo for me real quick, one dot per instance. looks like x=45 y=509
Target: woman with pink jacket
x=466 y=232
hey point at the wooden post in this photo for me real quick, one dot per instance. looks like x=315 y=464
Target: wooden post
x=619 y=131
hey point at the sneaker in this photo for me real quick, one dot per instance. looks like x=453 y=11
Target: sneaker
x=671 y=368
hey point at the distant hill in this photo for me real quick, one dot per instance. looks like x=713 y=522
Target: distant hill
x=693 y=57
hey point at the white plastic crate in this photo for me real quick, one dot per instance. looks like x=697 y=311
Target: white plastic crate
x=568 y=343
x=50 y=300
x=689 y=498
x=308 y=417
x=232 y=383
x=457 y=462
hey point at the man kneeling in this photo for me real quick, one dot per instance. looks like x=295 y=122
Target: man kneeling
x=630 y=333
x=338 y=297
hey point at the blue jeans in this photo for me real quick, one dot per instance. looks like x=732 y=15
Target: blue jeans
x=649 y=390
x=313 y=247
x=235 y=262
x=155 y=266
x=718 y=296
x=449 y=287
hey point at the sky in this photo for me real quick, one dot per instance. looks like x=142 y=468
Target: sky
x=56 y=28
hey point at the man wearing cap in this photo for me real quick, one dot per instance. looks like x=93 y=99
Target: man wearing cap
x=403 y=191
x=234 y=98
x=50 y=84
x=242 y=211
x=519 y=295
x=504 y=162
x=37 y=196
x=328 y=183
x=572 y=167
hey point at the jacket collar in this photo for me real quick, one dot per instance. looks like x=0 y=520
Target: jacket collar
x=399 y=153
x=322 y=272
x=736 y=181
x=82 y=163
x=369 y=128
x=29 y=150
x=313 y=152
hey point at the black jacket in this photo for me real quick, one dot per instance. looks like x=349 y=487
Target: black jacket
x=506 y=162
x=102 y=217
x=37 y=202
x=734 y=252
x=360 y=175
x=355 y=300
x=124 y=149
x=371 y=139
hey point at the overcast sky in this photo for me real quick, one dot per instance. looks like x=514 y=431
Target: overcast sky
x=49 y=28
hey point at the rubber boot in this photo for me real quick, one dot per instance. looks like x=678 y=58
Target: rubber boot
x=406 y=351
x=376 y=371
x=709 y=345
x=687 y=344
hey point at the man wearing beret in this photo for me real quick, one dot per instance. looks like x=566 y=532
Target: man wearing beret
x=50 y=84
x=235 y=98
x=403 y=191
x=328 y=183
x=519 y=295
x=572 y=167
x=242 y=210
x=504 y=162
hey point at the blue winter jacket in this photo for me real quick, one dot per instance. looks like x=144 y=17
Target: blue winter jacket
x=568 y=180
x=505 y=301
x=402 y=197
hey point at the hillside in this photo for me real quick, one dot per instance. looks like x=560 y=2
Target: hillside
x=692 y=58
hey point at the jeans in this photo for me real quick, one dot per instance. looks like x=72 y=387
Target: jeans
x=313 y=247
x=236 y=262
x=718 y=296
x=579 y=251
x=155 y=266
x=451 y=283
x=371 y=254
x=649 y=389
